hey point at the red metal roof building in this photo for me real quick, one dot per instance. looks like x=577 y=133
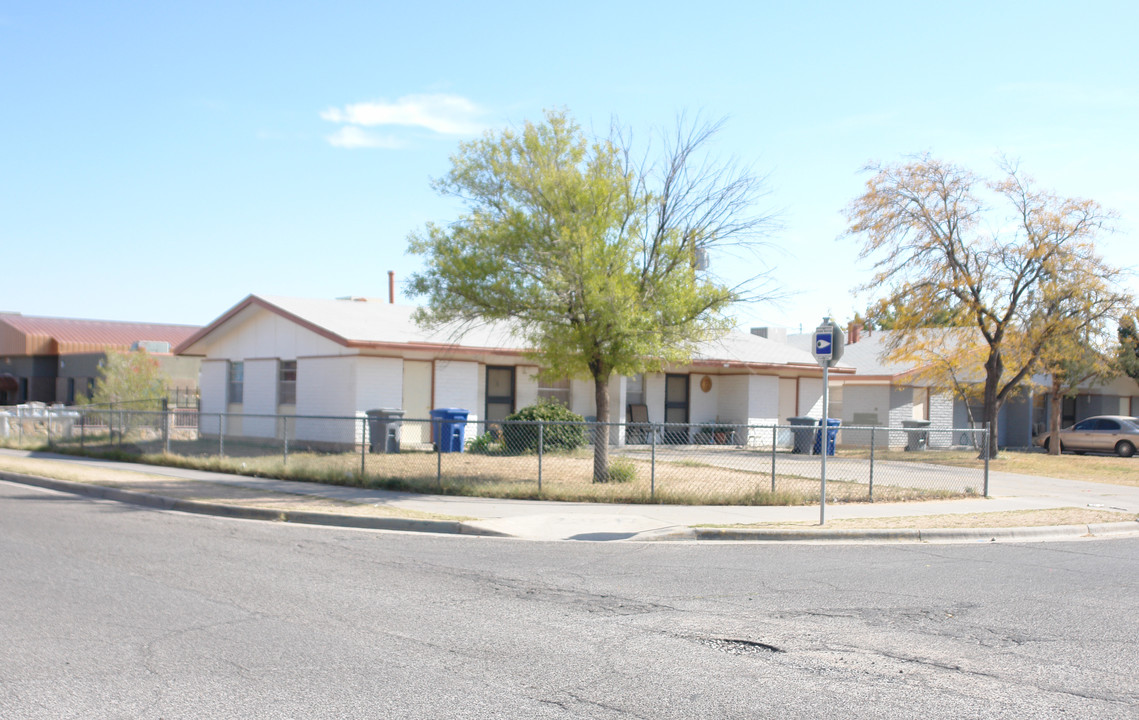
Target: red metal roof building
x=45 y=359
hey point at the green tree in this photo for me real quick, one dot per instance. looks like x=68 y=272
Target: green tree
x=591 y=256
x=1128 y=351
x=129 y=377
x=1013 y=290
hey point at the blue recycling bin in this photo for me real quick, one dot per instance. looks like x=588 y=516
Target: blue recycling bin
x=832 y=435
x=449 y=426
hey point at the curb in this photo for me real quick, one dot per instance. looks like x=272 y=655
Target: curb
x=676 y=533
x=300 y=517
x=881 y=535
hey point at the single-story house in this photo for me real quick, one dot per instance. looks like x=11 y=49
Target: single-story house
x=56 y=360
x=282 y=356
x=882 y=392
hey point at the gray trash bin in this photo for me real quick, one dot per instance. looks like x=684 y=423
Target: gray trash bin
x=917 y=434
x=383 y=428
x=803 y=432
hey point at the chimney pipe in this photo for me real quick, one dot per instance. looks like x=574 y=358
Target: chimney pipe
x=854 y=334
x=391 y=287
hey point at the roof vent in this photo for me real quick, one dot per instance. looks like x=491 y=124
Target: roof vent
x=353 y=298
x=153 y=347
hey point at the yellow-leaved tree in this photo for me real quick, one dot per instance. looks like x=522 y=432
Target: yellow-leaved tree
x=1014 y=283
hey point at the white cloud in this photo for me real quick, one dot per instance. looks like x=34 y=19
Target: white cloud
x=444 y=114
x=354 y=137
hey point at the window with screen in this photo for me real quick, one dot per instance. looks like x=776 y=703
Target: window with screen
x=287 y=383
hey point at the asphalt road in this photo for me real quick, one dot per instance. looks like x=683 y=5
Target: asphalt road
x=110 y=610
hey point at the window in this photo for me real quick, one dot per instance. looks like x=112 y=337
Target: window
x=236 y=382
x=555 y=390
x=287 y=383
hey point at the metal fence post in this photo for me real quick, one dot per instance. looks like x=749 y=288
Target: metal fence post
x=221 y=434
x=653 y=462
x=166 y=425
x=49 y=416
x=82 y=430
x=987 y=453
x=872 y=434
x=541 y=424
x=363 y=445
x=439 y=457
x=285 y=435
x=774 y=430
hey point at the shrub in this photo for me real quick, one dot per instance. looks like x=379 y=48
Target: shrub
x=484 y=444
x=520 y=438
x=622 y=470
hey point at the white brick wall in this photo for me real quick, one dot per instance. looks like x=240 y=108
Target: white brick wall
x=811 y=397
x=703 y=407
x=654 y=396
x=459 y=385
x=327 y=386
x=379 y=383
x=212 y=385
x=525 y=385
x=940 y=416
x=260 y=398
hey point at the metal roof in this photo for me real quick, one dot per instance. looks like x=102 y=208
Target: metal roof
x=359 y=323
x=28 y=335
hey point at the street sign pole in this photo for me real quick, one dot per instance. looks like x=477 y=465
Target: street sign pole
x=823 y=445
x=828 y=349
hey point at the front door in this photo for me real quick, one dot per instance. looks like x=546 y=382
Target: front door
x=676 y=409
x=416 y=402
x=499 y=394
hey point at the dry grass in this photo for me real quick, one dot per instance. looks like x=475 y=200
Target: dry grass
x=1091 y=468
x=724 y=478
x=1005 y=519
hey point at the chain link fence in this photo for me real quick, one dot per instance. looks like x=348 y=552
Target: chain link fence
x=647 y=462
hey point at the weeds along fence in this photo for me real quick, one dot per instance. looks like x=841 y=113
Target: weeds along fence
x=647 y=462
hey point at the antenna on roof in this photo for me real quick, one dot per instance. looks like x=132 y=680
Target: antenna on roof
x=391 y=287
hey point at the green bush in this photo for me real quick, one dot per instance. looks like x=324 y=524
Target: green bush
x=484 y=444
x=622 y=470
x=519 y=438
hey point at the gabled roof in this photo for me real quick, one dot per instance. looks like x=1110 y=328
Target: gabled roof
x=867 y=356
x=28 y=335
x=371 y=324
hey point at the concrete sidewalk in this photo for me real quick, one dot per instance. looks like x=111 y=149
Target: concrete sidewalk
x=294 y=501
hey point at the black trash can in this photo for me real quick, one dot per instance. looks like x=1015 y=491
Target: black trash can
x=917 y=434
x=383 y=429
x=803 y=434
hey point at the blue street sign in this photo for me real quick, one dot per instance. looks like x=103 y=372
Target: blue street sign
x=824 y=342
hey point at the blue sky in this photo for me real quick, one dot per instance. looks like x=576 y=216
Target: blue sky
x=160 y=161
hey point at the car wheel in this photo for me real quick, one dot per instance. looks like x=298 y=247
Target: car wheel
x=1124 y=448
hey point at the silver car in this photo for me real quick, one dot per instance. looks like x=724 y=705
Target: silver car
x=1117 y=434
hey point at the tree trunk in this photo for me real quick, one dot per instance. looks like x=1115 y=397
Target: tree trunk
x=993 y=370
x=601 y=430
x=1056 y=407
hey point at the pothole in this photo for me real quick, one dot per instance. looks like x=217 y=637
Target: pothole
x=736 y=646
